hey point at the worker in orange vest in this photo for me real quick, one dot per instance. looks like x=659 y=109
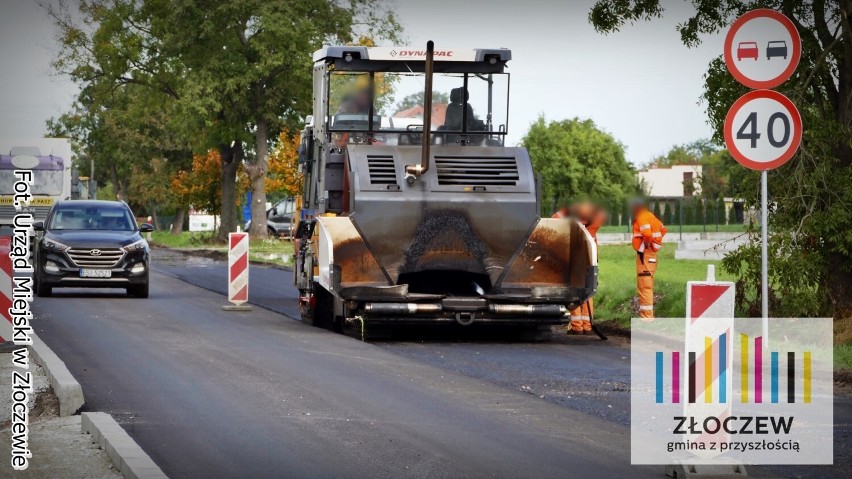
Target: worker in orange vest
x=592 y=217
x=648 y=233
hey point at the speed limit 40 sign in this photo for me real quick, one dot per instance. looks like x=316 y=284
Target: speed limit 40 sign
x=763 y=130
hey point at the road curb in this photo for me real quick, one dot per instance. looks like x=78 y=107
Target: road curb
x=67 y=389
x=125 y=454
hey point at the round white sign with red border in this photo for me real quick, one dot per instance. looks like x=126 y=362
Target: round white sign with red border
x=763 y=130
x=762 y=49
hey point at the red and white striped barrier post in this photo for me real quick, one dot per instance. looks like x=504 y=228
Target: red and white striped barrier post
x=238 y=272
x=707 y=368
x=6 y=275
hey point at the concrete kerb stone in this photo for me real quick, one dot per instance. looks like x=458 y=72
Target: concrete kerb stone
x=125 y=454
x=122 y=450
x=67 y=389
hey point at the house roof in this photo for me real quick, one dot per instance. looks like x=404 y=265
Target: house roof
x=439 y=113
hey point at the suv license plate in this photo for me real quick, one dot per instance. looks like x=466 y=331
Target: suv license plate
x=95 y=273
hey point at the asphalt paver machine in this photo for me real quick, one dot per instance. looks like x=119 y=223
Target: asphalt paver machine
x=414 y=210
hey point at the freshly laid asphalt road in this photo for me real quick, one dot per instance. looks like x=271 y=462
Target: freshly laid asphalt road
x=212 y=394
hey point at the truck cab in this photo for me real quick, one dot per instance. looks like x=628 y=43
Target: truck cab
x=414 y=209
x=50 y=171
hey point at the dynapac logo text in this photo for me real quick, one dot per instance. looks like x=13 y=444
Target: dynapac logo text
x=422 y=53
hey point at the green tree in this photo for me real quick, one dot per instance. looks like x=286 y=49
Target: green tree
x=237 y=71
x=689 y=211
x=255 y=56
x=667 y=213
x=732 y=215
x=811 y=221
x=151 y=188
x=576 y=160
x=125 y=115
x=678 y=212
x=656 y=209
x=719 y=216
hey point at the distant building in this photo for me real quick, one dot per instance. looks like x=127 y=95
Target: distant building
x=676 y=182
x=439 y=113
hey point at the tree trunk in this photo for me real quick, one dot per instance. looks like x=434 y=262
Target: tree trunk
x=155 y=218
x=257 y=175
x=839 y=274
x=177 y=225
x=117 y=184
x=231 y=159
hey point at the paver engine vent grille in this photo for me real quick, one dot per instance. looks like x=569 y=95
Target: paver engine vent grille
x=382 y=170
x=479 y=170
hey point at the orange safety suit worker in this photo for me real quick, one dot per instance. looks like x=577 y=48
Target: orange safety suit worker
x=648 y=233
x=592 y=218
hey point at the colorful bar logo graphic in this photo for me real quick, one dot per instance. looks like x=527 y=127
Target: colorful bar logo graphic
x=710 y=367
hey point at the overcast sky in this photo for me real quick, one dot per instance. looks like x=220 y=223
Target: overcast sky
x=641 y=84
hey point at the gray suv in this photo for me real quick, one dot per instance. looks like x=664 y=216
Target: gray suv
x=279 y=219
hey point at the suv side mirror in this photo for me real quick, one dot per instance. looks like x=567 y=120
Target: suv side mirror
x=146 y=228
x=38 y=226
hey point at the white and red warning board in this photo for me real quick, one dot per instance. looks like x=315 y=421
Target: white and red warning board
x=762 y=48
x=238 y=267
x=708 y=359
x=763 y=130
x=6 y=287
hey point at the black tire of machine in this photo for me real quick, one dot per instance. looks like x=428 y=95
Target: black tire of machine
x=322 y=315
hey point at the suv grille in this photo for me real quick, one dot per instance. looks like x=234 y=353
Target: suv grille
x=382 y=170
x=477 y=170
x=105 y=258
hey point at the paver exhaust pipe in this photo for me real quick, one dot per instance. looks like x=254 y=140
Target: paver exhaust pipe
x=412 y=172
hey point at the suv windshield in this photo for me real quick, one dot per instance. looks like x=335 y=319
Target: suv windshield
x=467 y=108
x=73 y=217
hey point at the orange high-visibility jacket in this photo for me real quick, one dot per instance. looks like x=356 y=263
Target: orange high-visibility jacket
x=594 y=223
x=648 y=231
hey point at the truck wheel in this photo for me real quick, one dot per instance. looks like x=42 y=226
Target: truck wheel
x=322 y=315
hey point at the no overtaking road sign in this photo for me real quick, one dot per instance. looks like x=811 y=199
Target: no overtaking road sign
x=762 y=48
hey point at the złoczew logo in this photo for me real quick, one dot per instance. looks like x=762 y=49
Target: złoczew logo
x=712 y=389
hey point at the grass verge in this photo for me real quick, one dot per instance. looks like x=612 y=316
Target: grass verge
x=272 y=251
x=686 y=229
x=615 y=301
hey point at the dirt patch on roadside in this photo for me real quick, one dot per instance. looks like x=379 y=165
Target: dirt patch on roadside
x=843 y=382
x=215 y=255
x=222 y=256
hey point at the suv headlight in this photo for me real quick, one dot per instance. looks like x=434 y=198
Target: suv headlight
x=137 y=246
x=54 y=245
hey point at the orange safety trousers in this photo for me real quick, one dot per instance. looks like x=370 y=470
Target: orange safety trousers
x=581 y=317
x=646 y=266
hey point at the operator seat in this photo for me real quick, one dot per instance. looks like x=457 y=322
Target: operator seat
x=456 y=110
x=455 y=118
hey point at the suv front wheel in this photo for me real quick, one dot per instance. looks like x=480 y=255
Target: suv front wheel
x=41 y=290
x=139 y=291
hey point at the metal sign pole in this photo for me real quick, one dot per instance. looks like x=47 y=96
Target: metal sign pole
x=764 y=257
